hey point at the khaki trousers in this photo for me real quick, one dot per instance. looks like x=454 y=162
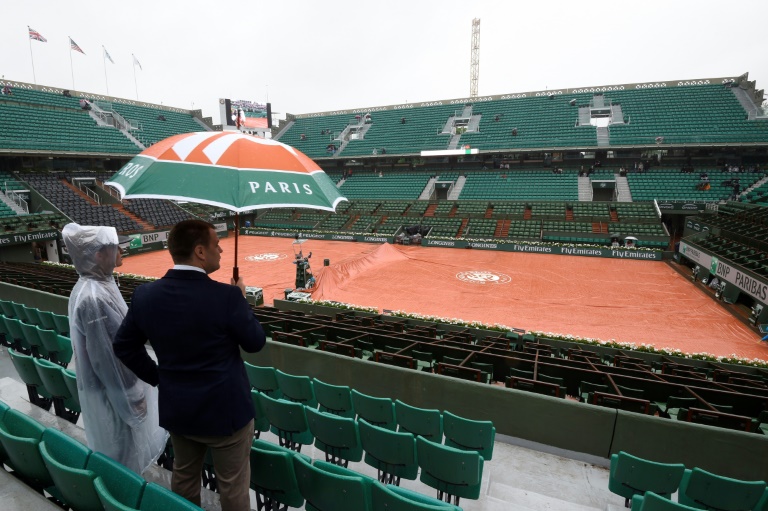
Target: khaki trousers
x=231 y=461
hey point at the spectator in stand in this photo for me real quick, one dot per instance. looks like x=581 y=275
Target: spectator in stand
x=84 y=104
x=7 y=91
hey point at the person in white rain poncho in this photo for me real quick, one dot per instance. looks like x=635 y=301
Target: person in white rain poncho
x=119 y=410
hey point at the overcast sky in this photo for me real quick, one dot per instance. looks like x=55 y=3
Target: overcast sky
x=309 y=56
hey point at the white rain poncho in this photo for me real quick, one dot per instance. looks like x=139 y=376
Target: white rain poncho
x=119 y=410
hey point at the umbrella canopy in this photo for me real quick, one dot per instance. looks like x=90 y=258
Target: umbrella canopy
x=228 y=170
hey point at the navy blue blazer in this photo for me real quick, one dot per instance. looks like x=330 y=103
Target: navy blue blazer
x=197 y=327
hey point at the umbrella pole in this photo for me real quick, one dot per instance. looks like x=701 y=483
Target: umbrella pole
x=235 y=272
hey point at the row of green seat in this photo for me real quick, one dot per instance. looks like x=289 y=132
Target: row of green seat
x=75 y=476
x=449 y=470
x=649 y=486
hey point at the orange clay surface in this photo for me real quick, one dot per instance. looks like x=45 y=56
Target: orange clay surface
x=626 y=300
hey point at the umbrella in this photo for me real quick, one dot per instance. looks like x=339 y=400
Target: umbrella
x=228 y=170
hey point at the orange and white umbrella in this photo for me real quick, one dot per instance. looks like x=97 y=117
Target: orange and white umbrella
x=228 y=170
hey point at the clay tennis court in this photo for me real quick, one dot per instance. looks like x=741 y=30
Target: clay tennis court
x=626 y=300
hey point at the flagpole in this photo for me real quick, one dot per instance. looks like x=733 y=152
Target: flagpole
x=32 y=58
x=71 y=66
x=104 y=58
x=135 y=85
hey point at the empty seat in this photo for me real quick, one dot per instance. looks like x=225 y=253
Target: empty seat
x=263 y=379
x=419 y=421
x=705 y=490
x=338 y=437
x=630 y=475
x=288 y=421
x=392 y=454
x=379 y=411
x=296 y=388
x=273 y=477
x=469 y=435
x=452 y=472
x=334 y=399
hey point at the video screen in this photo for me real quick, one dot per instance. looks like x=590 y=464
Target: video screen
x=244 y=114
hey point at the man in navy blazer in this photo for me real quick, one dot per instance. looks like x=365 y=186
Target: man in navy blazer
x=197 y=327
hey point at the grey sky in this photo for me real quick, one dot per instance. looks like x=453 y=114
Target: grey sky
x=311 y=56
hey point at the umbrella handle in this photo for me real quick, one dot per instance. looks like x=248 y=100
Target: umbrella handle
x=235 y=272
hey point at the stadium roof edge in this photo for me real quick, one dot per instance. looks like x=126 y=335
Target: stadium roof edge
x=94 y=96
x=515 y=95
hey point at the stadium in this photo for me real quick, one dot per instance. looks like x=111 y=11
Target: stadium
x=580 y=271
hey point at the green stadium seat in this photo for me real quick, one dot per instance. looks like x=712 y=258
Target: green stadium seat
x=52 y=376
x=392 y=454
x=630 y=475
x=704 y=490
x=390 y=497
x=273 y=477
x=25 y=366
x=326 y=489
x=296 y=388
x=288 y=420
x=379 y=411
x=452 y=472
x=66 y=460
x=652 y=502
x=338 y=437
x=469 y=435
x=263 y=379
x=419 y=421
x=20 y=437
x=334 y=399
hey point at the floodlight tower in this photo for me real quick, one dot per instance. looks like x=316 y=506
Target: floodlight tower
x=474 y=65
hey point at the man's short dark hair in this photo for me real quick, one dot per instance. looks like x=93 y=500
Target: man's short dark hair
x=185 y=236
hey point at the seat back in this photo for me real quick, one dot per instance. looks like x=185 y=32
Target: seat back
x=157 y=498
x=379 y=411
x=336 y=436
x=260 y=421
x=469 y=435
x=46 y=320
x=448 y=470
x=20 y=436
x=334 y=399
x=30 y=335
x=25 y=366
x=61 y=323
x=390 y=497
x=630 y=475
x=288 y=420
x=66 y=460
x=119 y=482
x=263 y=379
x=388 y=451
x=272 y=474
x=3 y=455
x=419 y=421
x=296 y=388
x=327 y=491
x=52 y=379
x=653 y=502
x=70 y=379
x=706 y=490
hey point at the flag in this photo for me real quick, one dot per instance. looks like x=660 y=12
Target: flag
x=34 y=34
x=136 y=62
x=73 y=46
x=106 y=54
